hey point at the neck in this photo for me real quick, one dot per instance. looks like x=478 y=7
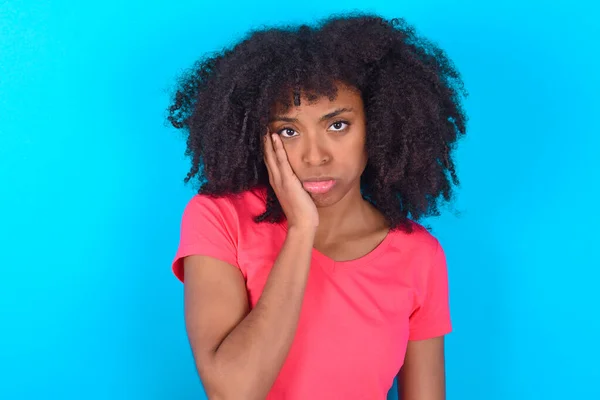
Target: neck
x=348 y=214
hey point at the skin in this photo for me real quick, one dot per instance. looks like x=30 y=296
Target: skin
x=239 y=351
x=334 y=146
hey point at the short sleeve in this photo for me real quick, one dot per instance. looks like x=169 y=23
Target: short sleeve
x=208 y=227
x=431 y=318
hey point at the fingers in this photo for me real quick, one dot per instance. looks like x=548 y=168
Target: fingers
x=271 y=161
x=282 y=161
x=280 y=171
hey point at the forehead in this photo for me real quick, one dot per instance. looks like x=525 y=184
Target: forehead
x=345 y=97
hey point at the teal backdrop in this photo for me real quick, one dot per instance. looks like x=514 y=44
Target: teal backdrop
x=92 y=193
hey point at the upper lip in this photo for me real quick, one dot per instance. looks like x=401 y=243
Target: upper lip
x=319 y=179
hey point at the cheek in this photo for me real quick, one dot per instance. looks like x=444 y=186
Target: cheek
x=364 y=158
x=361 y=164
x=354 y=154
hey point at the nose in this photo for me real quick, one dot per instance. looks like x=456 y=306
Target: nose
x=315 y=152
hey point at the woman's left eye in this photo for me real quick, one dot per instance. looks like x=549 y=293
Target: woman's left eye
x=339 y=126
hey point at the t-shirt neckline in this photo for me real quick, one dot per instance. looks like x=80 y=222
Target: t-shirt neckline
x=330 y=264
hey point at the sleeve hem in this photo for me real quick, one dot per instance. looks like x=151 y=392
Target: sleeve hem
x=177 y=266
x=430 y=333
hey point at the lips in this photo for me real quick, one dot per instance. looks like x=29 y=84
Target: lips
x=319 y=185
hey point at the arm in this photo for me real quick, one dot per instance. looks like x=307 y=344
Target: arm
x=423 y=376
x=239 y=353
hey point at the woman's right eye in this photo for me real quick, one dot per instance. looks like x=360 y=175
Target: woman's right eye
x=287 y=132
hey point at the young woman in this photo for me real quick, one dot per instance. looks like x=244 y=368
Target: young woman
x=318 y=148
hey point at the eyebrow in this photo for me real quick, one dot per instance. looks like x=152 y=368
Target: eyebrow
x=323 y=118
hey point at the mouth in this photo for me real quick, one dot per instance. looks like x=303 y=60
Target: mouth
x=319 y=185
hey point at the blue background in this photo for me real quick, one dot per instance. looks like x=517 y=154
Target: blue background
x=92 y=193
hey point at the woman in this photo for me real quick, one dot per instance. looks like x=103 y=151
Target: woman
x=318 y=148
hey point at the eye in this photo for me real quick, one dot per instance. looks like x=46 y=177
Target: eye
x=340 y=126
x=287 y=132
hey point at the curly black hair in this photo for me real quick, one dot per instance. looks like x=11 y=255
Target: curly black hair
x=410 y=89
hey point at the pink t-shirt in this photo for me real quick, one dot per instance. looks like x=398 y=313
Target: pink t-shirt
x=357 y=316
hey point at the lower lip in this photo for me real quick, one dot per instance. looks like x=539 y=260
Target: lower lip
x=318 y=187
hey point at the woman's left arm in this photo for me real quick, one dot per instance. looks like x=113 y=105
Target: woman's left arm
x=423 y=375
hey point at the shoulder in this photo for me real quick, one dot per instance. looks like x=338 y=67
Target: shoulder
x=419 y=241
x=229 y=208
x=215 y=226
x=419 y=253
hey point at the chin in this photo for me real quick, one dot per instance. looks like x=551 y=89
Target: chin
x=328 y=199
